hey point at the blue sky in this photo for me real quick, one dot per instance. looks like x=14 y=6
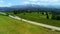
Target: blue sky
x=8 y=3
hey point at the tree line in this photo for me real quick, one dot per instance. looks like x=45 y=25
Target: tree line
x=55 y=13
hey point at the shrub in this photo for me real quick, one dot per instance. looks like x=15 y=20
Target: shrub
x=56 y=17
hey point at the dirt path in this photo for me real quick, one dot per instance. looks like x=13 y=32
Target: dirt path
x=36 y=23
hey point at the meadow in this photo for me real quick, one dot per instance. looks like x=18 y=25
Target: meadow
x=13 y=26
x=38 y=17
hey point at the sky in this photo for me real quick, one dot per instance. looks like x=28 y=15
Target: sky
x=8 y=3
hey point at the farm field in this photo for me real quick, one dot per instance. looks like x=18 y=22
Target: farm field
x=38 y=17
x=12 y=26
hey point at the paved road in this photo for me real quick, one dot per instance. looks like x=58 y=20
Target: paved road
x=36 y=23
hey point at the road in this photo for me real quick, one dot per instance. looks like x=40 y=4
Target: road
x=35 y=23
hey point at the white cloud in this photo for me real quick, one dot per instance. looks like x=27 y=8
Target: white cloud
x=1 y=1
x=33 y=0
x=53 y=1
x=6 y=5
x=43 y=2
x=9 y=4
x=26 y=2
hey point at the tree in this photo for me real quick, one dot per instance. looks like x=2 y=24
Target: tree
x=53 y=16
x=42 y=13
x=56 y=17
x=15 y=12
x=47 y=15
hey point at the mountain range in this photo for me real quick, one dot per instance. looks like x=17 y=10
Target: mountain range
x=27 y=7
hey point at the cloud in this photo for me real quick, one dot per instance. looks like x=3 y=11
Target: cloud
x=45 y=2
x=26 y=2
x=37 y=2
x=5 y=5
x=1 y=1
x=9 y=4
x=33 y=0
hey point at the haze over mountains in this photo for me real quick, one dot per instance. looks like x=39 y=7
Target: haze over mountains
x=28 y=6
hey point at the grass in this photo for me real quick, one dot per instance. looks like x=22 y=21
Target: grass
x=34 y=16
x=12 y=26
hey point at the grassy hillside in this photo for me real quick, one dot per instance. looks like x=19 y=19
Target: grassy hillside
x=38 y=17
x=12 y=26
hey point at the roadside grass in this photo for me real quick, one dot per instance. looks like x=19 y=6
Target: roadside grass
x=34 y=16
x=13 y=26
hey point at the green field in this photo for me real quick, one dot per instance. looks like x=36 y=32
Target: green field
x=12 y=26
x=34 y=16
